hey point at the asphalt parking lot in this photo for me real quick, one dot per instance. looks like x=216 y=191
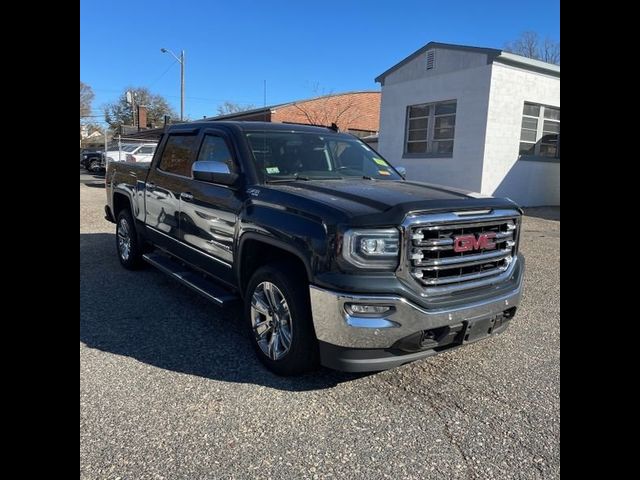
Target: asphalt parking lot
x=87 y=177
x=170 y=388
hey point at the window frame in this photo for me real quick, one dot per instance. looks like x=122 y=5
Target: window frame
x=431 y=127
x=537 y=156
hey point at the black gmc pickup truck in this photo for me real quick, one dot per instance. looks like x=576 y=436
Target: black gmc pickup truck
x=337 y=258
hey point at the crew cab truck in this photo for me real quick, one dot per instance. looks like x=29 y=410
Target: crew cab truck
x=337 y=259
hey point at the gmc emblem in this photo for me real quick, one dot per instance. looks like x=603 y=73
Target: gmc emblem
x=484 y=241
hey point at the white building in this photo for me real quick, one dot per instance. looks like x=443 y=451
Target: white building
x=475 y=118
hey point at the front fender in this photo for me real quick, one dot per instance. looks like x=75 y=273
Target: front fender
x=302 y=235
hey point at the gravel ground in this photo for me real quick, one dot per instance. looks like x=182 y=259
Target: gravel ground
x=170 y=388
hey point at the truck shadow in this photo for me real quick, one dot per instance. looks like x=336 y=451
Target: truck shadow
x=147 y=316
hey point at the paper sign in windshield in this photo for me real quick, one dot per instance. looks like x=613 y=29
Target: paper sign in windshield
x=379 y=161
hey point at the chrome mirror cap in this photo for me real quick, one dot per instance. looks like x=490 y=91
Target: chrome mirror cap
x=214 y=172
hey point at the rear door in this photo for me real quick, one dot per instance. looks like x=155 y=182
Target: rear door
x=209 y=212
x=168 y=177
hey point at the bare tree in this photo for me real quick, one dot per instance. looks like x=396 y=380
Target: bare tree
x=551 y=51
x=86 y=98
x=229 y=107
x=329 y=109
x=530 y=45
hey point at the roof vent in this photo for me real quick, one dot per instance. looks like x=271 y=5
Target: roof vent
x=431 y=59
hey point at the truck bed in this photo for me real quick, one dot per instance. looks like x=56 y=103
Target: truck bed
x=128 y=178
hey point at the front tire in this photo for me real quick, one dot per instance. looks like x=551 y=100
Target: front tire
x=94 y=166
x=127 y=245
x=278 y=312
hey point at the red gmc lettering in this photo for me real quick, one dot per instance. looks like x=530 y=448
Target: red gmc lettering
x=465 y=243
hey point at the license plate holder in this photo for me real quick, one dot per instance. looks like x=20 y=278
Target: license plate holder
x=479 y=329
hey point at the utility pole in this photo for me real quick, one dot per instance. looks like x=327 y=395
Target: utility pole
x=182 y=85
x=180 y=59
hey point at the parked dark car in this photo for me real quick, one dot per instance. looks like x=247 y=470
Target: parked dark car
x=337 y=259
x=92 y=159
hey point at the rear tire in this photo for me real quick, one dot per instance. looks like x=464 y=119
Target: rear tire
x=94 y=166
x=127 y=246
x=277 y=299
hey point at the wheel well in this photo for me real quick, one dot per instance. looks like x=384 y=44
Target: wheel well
x=120 y=202
x=256 y=254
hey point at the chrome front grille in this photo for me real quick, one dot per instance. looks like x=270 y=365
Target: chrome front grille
x=433 y=264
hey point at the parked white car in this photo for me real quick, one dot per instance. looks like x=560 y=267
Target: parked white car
x=130 y=152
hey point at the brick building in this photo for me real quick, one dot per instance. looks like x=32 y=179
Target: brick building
x=354 y=112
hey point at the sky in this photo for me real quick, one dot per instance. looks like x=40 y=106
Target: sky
x=300 y=48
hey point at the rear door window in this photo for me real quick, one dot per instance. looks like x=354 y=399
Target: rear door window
x=178 y=154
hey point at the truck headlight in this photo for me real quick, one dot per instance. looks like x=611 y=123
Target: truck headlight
x=372 y=248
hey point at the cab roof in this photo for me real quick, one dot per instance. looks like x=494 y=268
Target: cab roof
x=250 y=126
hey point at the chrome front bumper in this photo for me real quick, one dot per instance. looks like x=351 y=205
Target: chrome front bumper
x=333 y=325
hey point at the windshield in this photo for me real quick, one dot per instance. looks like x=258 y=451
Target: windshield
x=302 y=155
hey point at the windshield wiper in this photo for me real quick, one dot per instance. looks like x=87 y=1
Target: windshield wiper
x=299 y=177
x=288 y=179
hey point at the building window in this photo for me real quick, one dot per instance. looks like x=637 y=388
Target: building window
x=540 y=133
x=430 y=128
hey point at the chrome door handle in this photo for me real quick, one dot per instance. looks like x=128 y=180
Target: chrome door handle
x=186 y=196
x=151 y=185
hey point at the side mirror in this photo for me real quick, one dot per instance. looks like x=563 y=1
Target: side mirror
x=402 y=171
x=214 y=172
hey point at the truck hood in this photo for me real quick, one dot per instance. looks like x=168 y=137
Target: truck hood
x=387 y=201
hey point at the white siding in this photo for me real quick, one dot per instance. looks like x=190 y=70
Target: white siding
x=528 y=183
x=469 y=87
x=446 y=61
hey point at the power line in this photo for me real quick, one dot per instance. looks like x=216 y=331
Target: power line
x=162 y=74
x=245 y=102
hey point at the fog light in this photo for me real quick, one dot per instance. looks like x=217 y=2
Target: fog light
x=359 y=309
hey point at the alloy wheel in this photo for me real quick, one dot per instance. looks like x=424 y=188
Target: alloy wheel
x=124 y=239
x=271 y=321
